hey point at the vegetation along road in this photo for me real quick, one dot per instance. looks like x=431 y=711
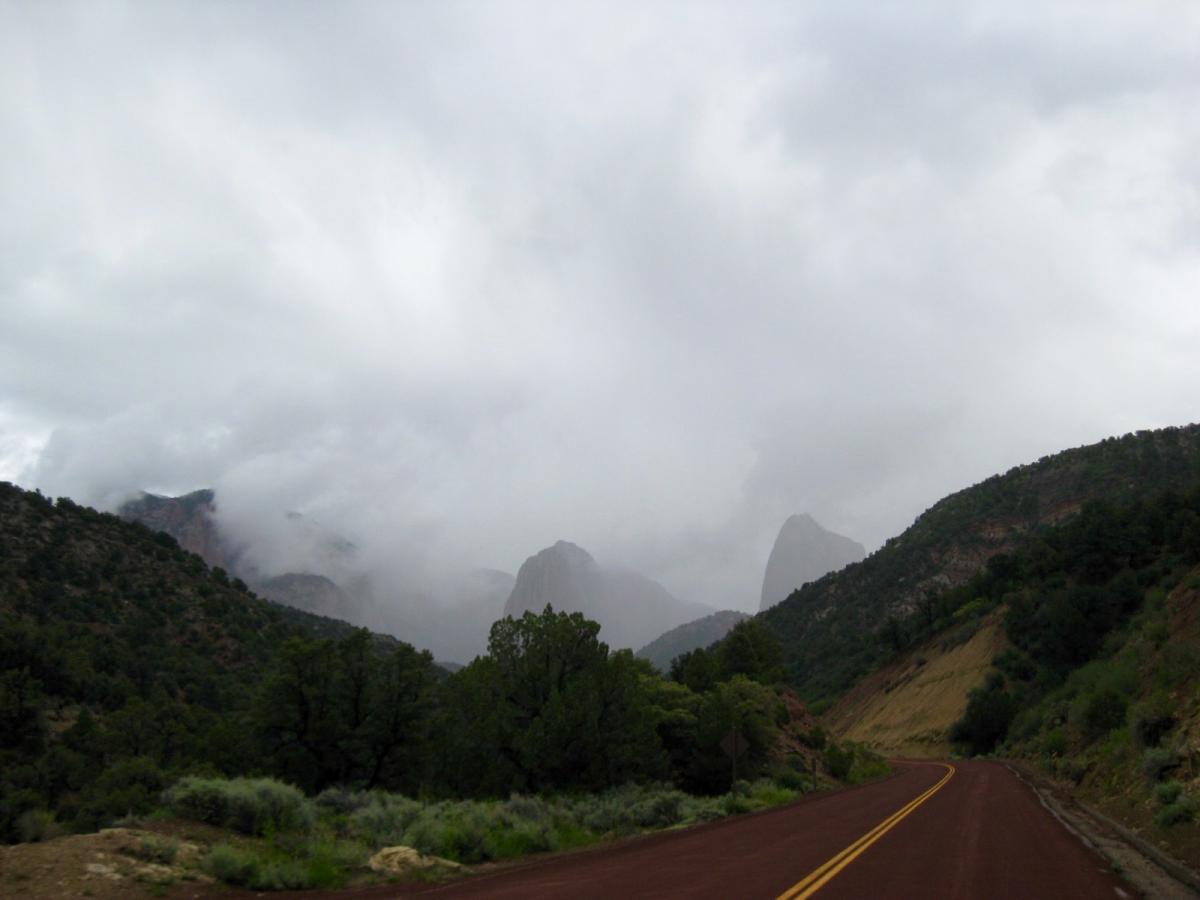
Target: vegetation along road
x=932 y=830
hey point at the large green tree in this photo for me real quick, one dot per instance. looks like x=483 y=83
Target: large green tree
x=550 y=707
x=338 y=712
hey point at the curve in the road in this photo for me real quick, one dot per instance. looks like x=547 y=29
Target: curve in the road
x=977 y=833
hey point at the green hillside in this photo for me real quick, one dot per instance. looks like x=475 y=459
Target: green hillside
x=122 y=659
x=836 y=629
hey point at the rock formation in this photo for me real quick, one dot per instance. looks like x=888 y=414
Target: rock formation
x=631 y=608
x=803 y=552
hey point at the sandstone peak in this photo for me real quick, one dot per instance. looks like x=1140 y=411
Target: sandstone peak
x=804 y=551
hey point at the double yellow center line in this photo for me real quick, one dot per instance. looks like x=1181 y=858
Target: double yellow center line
x=824 y=873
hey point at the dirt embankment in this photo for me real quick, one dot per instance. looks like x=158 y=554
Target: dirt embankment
x=908 y=707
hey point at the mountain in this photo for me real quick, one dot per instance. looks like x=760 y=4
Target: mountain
x=829 y=628
x=631 y=608
x=325 y=559
x=190 y=519
x=803 y=552
x=690 y=636
x=311 y=593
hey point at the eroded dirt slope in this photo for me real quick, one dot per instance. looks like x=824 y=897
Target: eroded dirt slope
x=908 y=707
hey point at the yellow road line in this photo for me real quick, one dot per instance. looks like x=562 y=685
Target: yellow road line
x=822 y=874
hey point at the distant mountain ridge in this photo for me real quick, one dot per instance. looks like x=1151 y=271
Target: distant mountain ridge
x=803 y=552
x=631 y=608
x=828 y=627
x=690 y=636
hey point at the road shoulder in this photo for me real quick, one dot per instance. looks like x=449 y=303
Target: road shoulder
x=1148 y=869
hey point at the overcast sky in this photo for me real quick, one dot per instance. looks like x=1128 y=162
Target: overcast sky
x=460 y=280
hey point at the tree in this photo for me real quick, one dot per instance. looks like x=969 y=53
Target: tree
x=337 y=712
x=753 y=710
x=751 y=649
x=990 y=710
x=549 y=707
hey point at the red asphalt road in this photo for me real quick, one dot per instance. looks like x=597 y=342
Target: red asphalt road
x=984 y=834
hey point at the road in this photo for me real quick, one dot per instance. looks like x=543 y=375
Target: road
x=931 y=830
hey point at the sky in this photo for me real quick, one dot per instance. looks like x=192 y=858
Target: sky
x=458 y=280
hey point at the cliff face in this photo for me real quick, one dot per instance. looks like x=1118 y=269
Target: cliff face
x=188 y=519
x=631 y=608
x=191 y=520
x=803 y=552
x=690 y=636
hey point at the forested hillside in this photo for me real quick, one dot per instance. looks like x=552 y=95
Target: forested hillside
x=126 y=663
x=836 y=629
x=124 y=658
x=1094 y=630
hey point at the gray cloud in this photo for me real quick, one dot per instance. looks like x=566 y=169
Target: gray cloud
x=460 y=280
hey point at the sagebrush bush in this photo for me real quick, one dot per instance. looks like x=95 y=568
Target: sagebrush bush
x=248 y=805
x=343 y=800
x=157 y=850
x=453 y=830
x=383 y=819
x=232 y=865
x=313 y=864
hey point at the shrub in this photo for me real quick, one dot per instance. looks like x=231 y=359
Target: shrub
x=343 y=801
x=868 y=765
x=456 y=831
x=157 y=850
x=789 y=779
x=1096 y=714
x=1182 y=810
x=383 y=821
x=248 y=805
x=1157 y=761
x=1167 y=792
x=1151 y=719
x=232 y=865
x=838 y=761
x=1054 y=742
x=990 y=710
x=700 y=809
x=312 y=864
x=37 y=825
x=766 y=792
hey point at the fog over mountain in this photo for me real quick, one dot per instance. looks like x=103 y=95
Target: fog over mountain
x=455 y=280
